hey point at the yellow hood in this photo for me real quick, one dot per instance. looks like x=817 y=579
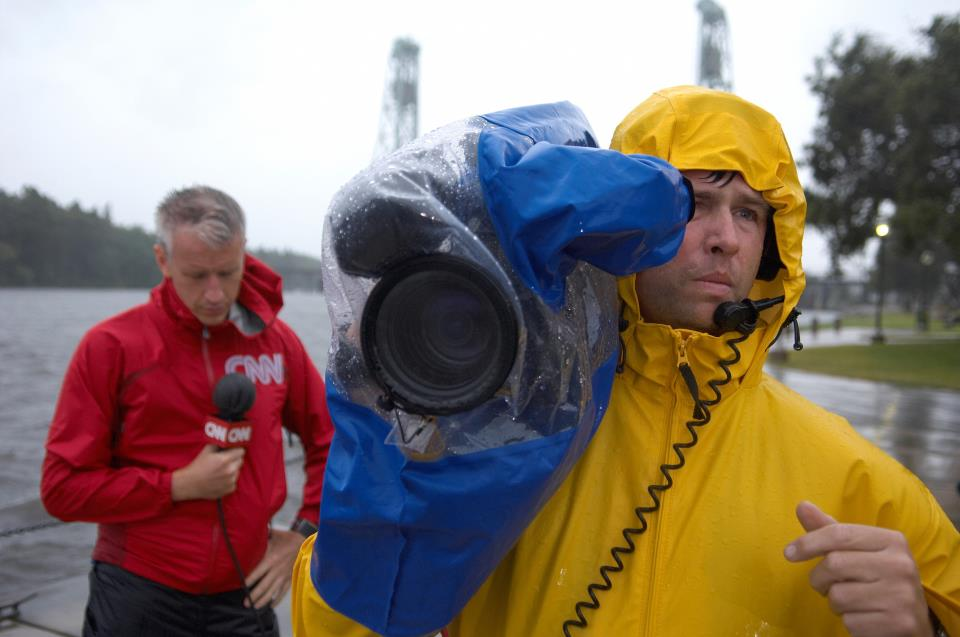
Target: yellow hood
x=698 y=128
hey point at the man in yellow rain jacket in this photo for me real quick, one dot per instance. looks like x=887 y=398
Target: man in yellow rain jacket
x=722 y=488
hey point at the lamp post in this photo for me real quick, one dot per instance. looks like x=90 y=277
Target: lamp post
x=927 y=259
x=882 y=231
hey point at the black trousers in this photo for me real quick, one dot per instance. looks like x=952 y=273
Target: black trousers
x=122 y=604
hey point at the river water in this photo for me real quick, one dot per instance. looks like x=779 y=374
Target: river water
x=40 y=328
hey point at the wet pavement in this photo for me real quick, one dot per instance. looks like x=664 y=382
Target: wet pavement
x=825 y=337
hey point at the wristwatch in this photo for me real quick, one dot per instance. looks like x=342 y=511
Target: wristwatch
x=938 y=629
x=306 y=528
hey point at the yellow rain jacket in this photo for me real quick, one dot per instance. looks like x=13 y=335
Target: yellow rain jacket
x=710 y=561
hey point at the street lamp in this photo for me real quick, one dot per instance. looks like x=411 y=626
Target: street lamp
x=927 y=259
x=882 y=231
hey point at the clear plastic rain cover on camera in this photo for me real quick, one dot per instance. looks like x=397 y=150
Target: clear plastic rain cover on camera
x=426 y=200
x=470 y=280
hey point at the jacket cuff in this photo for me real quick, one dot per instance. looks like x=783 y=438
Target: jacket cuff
x=938 y=629
x=310 y=514
x=166 y=487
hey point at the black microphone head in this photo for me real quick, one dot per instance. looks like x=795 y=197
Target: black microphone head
x=742 y=316
x=732 y=316
x=233 y=396
x=729 y=314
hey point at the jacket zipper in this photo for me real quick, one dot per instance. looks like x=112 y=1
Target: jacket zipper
x=205 y=351
x=214 y=547
x=686 y=374
x=208 y=366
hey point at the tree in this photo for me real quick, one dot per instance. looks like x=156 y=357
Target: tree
x=889 y=128
x=850 y=156
x=43 y=244
x=928 y=169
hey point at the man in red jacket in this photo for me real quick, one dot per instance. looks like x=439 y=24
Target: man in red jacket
x=126 y=447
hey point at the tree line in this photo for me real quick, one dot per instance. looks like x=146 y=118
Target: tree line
x=886 y=148
x=43 y=244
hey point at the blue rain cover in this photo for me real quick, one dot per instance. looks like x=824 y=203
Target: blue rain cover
x=553 y=203
x=417 y=511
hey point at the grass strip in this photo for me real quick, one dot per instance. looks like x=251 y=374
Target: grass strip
x=932 y=364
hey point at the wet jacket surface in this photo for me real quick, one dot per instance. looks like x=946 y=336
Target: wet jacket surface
x=131 y=411
x=710 y=561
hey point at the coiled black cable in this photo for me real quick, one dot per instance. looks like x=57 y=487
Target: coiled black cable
x=701 y=416
x=239 y=569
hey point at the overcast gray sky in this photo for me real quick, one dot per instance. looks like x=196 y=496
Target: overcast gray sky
x=278 y=103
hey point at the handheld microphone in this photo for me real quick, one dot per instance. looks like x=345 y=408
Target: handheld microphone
x=233 y=395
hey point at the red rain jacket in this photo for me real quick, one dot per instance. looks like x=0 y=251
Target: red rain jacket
x=131 y=411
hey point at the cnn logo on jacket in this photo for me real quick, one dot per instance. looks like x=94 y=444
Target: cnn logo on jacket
x=263 y=369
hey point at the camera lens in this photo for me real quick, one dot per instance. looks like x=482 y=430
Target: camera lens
x=439 y=335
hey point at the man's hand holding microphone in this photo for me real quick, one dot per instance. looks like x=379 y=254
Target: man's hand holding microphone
x=213 y=473
x=210 y=475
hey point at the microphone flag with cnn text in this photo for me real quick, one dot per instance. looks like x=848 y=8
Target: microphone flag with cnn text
x=233 y=395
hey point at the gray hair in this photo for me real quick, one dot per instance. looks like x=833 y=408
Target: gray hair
x=213 y=214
